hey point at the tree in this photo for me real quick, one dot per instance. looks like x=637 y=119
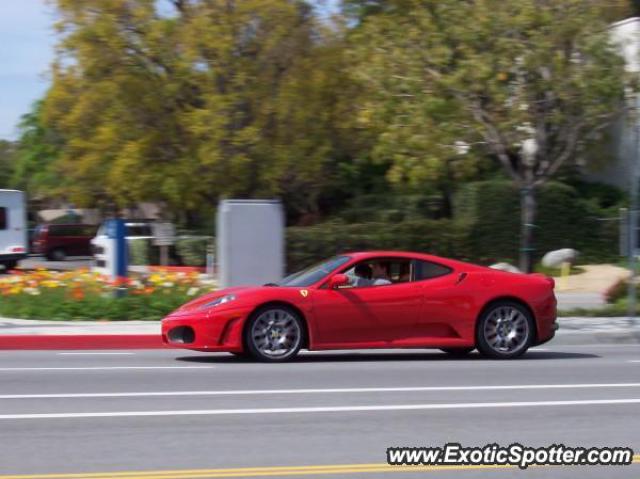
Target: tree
x=7 y=154
x=215 y=98
x=530 y=83
x=35 y=156
x=617 y=10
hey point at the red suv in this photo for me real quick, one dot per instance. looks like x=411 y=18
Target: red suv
x=56 y=242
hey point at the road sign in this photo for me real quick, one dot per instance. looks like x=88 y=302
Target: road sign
x=164 y=234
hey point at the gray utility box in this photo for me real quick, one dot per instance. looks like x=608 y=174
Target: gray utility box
x=250 y=242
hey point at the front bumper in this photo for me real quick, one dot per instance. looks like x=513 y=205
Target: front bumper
x=12 y=256
x=205 y=330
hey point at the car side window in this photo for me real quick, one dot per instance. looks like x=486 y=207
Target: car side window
x=427 y=270
x=379 y=272
x=3 y=218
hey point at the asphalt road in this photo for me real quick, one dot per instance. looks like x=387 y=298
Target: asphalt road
x=196 y=413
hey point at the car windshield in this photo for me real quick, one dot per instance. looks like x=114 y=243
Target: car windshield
x=315 y=273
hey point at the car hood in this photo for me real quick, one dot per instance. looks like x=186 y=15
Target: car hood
x=239 y=291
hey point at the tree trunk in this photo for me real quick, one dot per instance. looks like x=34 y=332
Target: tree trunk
x=528 y=216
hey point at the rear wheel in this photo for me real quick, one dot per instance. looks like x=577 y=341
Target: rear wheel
x=505 y=330
x=57 y=254
x=457 y=352
x=274 y=334
x=9 y=265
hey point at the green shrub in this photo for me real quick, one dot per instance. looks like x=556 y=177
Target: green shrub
x=306 y=245
x=486 y=228
x=139 y=251
x=193 y=250
x=564 y=220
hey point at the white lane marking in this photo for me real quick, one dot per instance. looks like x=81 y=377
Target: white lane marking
x=634 y=361
x=245 y=392
x=95 y=354
x=286 y=410
x=105 y=368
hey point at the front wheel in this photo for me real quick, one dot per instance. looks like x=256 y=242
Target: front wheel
x=57 y=254
x=9 y=265
x=274 y=334
x=505 y=330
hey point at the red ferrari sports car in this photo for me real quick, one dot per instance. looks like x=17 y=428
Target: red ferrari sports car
x=373 y=300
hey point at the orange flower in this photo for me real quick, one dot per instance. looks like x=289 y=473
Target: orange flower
x=77 y=294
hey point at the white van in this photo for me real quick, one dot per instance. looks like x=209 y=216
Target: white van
x=13 y=228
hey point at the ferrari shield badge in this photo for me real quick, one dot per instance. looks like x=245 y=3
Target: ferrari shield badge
x=304 y=292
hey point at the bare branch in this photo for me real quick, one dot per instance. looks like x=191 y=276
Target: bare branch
x=495 y=141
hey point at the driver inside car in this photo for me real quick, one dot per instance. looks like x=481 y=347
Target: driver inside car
x=380 y=274
x=363 y=274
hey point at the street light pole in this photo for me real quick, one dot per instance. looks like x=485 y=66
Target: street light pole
x=633 y=217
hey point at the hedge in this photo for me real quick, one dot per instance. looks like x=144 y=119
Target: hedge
x=306 y=245
x=486 y=229
x=564 y=220
x=188 y=251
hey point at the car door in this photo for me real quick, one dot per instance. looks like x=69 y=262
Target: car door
x=439 y=316
x=372 y=316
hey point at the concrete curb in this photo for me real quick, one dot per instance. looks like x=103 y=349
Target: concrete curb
x=80 y=341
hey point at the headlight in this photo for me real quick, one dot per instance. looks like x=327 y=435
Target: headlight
x=219 y=301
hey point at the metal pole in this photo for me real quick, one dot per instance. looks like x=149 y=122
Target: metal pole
x=633 y=219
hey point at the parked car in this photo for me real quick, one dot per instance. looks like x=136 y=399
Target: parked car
x=13 y=228
x=136 y=230
x=373 y=300
x=57 y=241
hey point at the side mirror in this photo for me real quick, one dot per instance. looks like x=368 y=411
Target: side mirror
x=338 y=280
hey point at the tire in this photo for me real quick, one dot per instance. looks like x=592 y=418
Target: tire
x=57 y=254
x=457 y=352
x=9 y=265
x=505 y=330
x=273 y=326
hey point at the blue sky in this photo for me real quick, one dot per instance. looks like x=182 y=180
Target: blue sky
x=27 y=42
x=26 y=50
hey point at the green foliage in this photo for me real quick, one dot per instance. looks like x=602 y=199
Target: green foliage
x=140 y=252
x=7 y=163
x=392 y=208
x=485 y=229
x=35 y=166
x=306 y=245
x=193 y=250
x=499 y=77
x=493 y=73
x=242 y=99
x=56 y=304
x=565 y=221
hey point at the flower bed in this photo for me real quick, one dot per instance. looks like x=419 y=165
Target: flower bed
x=83 y=295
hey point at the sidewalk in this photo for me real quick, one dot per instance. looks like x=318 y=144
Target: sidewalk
x=587 y=290
x=33 y=334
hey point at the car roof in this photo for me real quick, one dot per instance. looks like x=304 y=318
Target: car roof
x=363 y=255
